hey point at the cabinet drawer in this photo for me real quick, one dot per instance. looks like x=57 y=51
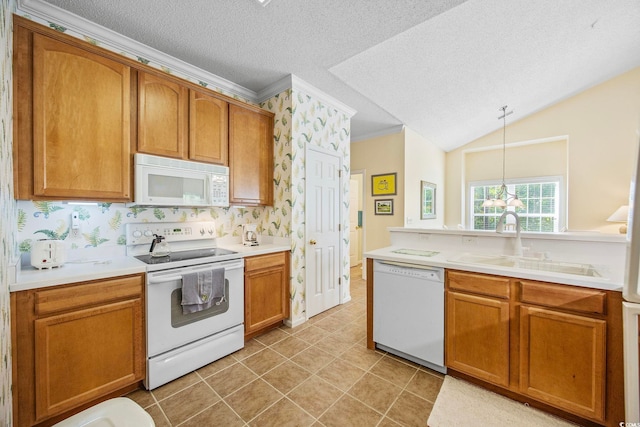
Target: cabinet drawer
x=91 y=293
x=563 y=297
x=478 y=284
x=264 y=261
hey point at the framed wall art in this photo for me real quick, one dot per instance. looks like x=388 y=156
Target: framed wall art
x=383 y=184
x=383 y=207
x=427 y=200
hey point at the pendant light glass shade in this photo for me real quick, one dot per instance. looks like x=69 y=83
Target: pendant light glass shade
x=511 y=198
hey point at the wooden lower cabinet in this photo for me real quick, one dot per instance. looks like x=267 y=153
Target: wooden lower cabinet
x=554 y=346
x=266 y=292
x=75 y=345
x=562 y=360
x=478 y=331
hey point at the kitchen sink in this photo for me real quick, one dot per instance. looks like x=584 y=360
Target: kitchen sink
x=527 y=263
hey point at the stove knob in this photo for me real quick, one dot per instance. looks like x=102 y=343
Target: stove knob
x=148 y=233
x=137 y=234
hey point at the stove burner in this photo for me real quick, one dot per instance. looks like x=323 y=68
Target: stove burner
x=185 y=255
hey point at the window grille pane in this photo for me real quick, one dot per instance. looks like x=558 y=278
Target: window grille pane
x=478 y=193
x=548 y=206
x=546 y=225
x=548 y=190
x=534 y=190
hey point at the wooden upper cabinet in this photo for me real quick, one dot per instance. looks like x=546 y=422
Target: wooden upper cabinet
x=72 y=122
x=250 y=157
x=162 y=116
x=208 y=128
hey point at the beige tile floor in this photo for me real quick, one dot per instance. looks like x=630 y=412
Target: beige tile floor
x=319 y=373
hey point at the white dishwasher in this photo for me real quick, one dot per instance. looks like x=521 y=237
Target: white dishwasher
x=408 y=312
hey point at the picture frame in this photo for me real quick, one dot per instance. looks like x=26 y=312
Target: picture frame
x=384 y=184
x=427 y=200
x=383 y=206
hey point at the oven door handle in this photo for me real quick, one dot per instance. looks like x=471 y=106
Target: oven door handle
x=163 y=280
x=163 y=277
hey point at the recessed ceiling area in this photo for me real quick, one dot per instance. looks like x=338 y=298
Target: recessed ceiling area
x=441 y=67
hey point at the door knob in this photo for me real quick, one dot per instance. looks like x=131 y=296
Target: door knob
x=312 y=242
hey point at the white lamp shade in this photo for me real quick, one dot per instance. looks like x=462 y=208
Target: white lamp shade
x=620 y=215
x=516 y=202
x=500 y=203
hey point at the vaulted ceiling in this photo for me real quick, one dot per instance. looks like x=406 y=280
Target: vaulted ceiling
x=441 y=67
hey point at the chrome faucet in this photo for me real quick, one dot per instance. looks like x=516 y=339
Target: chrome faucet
x=500 y=229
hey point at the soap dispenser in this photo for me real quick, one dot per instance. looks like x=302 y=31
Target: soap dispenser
x=159 y=247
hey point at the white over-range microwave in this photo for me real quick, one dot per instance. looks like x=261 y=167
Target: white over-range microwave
x=161 y=181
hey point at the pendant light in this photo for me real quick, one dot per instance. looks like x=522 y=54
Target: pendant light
x=511 y=199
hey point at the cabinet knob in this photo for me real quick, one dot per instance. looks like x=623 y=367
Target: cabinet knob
x=312 y=242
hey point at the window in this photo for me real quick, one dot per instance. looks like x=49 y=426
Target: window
x=541 y=198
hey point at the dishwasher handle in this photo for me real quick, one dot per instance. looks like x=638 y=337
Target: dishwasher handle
x=435 y=274
x=414 y=266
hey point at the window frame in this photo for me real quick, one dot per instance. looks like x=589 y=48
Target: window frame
x=561 y=197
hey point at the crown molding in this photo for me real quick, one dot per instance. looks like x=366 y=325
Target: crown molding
x=299 y=84
x=274 y=89
x=121 y=43
x=296 y=83
x=387 y=131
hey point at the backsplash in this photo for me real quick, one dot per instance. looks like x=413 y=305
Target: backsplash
x=103 y=224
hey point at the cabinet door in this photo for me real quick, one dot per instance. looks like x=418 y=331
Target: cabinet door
x=477 y=337
x=81 y=123
x=208 y=129
x=250 y=157
x=562 y=360
x=266 y=301
x=85 y=354
x=162 y=116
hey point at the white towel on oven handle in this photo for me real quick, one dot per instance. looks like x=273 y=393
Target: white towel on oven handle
x=201 y=290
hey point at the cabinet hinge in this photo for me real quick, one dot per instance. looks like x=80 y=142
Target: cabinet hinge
x=339 y=173
x=339 y=227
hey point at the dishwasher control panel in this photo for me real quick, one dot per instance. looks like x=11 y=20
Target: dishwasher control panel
x=435 y=274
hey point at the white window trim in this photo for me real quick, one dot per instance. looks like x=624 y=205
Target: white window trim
x=562 y=205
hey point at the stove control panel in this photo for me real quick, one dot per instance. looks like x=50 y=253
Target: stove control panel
x=142 y=233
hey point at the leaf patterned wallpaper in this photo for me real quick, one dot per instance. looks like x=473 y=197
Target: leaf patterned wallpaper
x=300 y=121
x=7 y=207
x=315 y=124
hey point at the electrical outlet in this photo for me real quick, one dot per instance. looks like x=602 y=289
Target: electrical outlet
x=75 y=221
x=469 y=240
x=75 y=224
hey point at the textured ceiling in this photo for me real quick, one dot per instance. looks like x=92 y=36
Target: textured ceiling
x=441 y=67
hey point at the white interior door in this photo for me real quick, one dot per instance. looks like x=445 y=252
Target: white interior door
x=354 y=229
x=323 y=233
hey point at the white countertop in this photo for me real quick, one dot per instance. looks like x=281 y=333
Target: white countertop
x=446 y=259
x=76 y=271
x=255 y=250
x=95 y=268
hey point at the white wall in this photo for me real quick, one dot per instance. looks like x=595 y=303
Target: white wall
x=423 y=161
